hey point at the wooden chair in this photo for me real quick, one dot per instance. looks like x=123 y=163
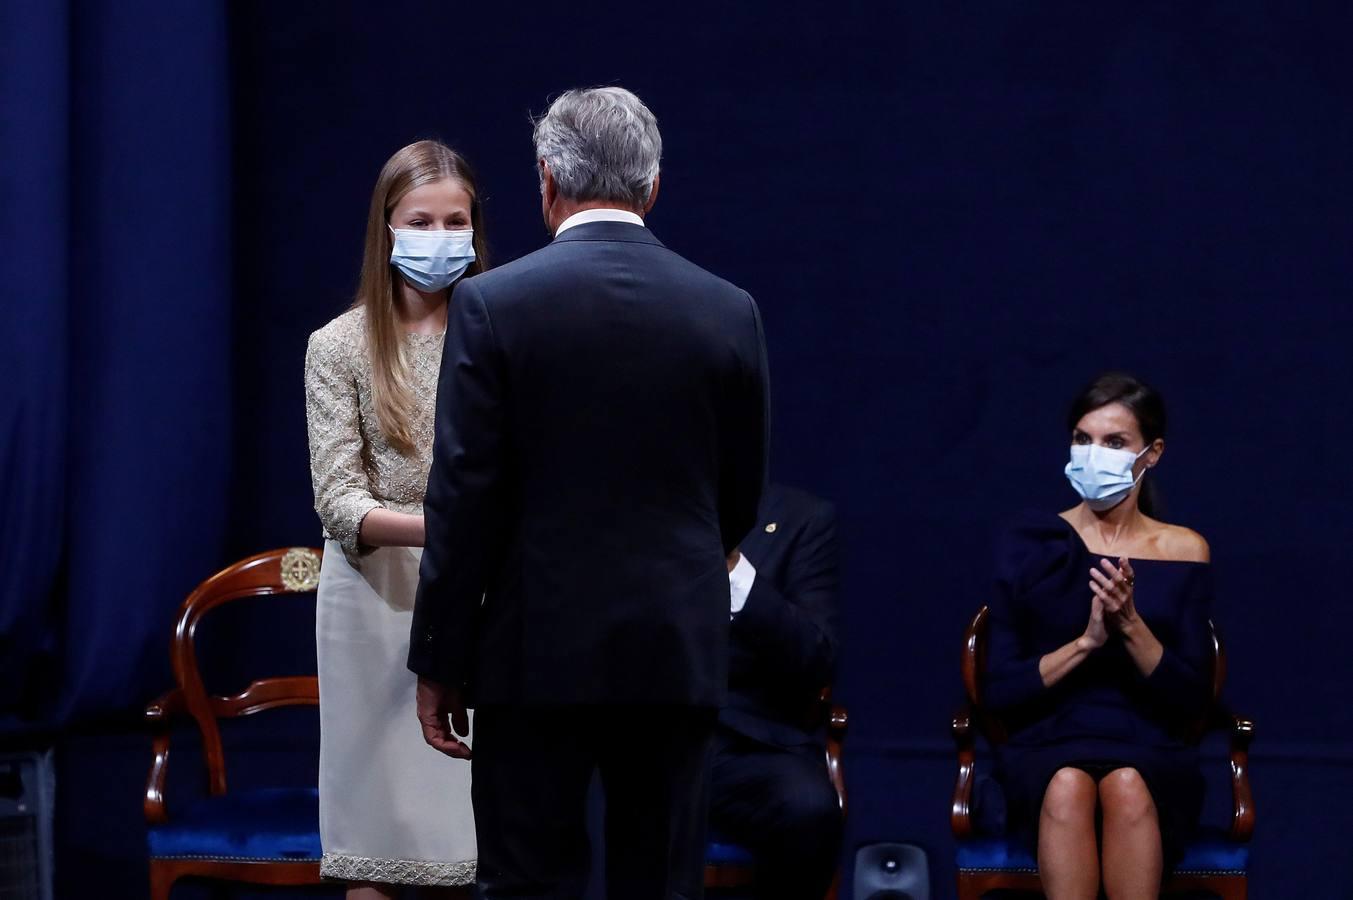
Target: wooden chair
x=1215 y=862
x=264 y=836
x=729 y=866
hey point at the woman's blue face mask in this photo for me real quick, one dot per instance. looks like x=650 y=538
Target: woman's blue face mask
x=431 y=260
x=1102 y=475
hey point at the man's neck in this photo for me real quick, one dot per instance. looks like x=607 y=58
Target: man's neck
x=563 y=210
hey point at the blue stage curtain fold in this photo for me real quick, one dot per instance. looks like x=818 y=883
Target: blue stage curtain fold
x=117 y=221
x=34 y=222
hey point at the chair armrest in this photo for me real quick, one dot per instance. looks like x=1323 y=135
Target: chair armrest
x=158 y=714
x=965 y=742
x=1242 y=817
x=837 y=725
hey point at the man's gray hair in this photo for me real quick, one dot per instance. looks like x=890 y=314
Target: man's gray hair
x=600 y=144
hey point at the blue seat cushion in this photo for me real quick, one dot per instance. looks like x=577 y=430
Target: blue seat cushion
x=994 y=854
x=1211 y=852
x=720 y=851
x=268 y=824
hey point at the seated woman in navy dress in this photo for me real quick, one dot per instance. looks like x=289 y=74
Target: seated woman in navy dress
x=1099 y=658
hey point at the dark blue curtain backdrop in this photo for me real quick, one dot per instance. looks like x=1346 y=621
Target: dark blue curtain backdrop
x=116 y=435
x=34 y=222
x=952 y=217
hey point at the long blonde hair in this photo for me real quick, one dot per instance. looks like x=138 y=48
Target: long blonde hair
x=420 y=163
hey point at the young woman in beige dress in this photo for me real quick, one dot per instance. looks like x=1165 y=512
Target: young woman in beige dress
x=393 y=811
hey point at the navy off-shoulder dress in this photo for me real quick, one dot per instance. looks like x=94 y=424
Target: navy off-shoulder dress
x=1105 y=713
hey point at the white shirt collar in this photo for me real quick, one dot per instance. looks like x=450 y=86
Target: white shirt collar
x=598 y=215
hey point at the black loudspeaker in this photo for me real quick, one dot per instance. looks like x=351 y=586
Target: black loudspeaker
x=891 y=872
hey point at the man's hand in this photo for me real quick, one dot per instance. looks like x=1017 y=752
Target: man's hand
x=441 y=708
x=733 y=558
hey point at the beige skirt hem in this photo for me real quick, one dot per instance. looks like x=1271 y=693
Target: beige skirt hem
x=398 y=871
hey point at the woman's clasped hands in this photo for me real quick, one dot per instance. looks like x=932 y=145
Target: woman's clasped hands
x=1111 y=601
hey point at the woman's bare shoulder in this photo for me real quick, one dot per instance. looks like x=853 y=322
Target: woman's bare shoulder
x=1182 y=544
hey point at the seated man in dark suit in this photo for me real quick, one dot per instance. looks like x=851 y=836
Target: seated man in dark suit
x=770 y=789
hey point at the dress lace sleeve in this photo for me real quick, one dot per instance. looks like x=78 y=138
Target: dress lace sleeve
x=342 y=491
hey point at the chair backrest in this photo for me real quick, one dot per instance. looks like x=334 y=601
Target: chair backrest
x=974 y=666
x=293 y=570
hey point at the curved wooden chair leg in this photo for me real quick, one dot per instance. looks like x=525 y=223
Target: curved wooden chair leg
x=968 y=889
x=161 y=882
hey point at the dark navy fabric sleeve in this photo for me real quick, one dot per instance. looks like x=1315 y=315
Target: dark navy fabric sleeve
x=794 y=632
x=1030 y=544
x=746 y=437
x=462 y=505
x=1181 y=681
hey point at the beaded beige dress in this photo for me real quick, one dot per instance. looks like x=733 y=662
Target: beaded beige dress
x=392 y=809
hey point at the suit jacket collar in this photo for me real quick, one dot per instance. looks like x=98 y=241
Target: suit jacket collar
x=623 y=232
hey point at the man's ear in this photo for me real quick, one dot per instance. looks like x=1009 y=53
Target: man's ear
x=653 y=194
x=548 y=189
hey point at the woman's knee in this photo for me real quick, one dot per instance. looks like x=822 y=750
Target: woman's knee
x=1070 y=797
x=1125 y=797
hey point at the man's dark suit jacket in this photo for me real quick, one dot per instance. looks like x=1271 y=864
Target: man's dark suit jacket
x=784 y=639
x=600 y=446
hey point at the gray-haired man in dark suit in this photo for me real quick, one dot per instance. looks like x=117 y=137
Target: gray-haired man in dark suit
x=600 y=449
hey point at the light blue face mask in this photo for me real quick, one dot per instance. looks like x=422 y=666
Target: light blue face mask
x=1102 y=475
x=431 y=260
